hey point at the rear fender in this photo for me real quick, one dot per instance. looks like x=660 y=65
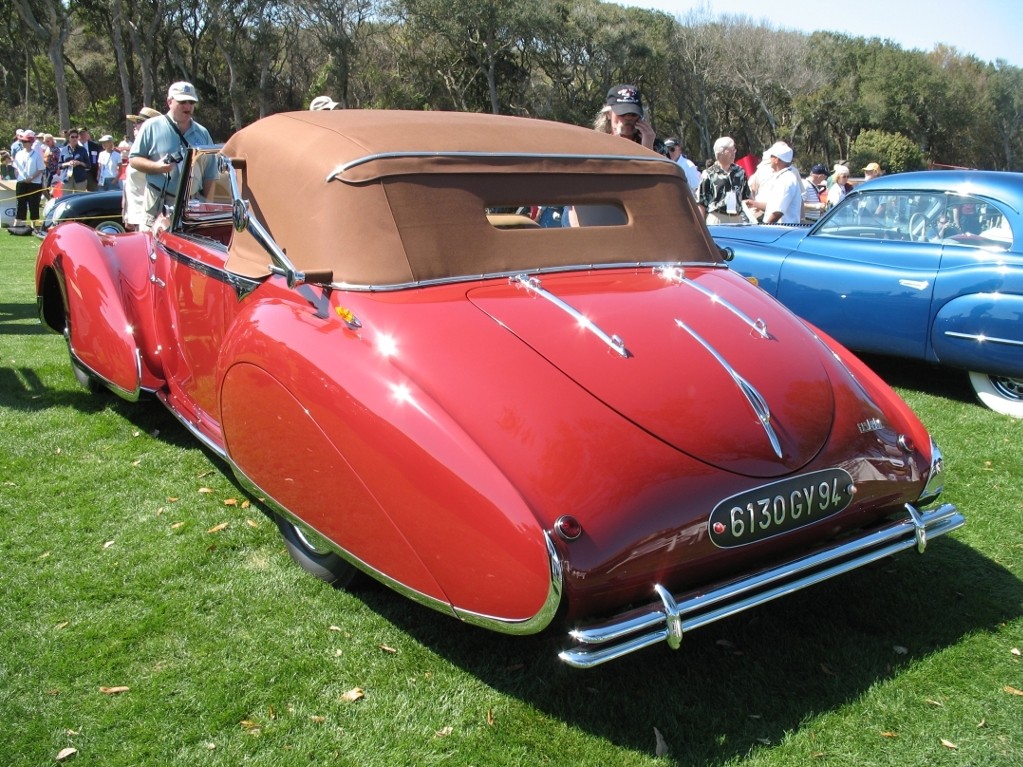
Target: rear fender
x=332 y=431
x=894 y=408
x=981 y=332
x=103 y=280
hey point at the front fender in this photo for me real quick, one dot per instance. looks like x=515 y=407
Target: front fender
x=97 y=282
x=981 y=332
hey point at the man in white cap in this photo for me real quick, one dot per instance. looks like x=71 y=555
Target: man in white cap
x=109 y=165
x=780 y=196
x=30 y=167
x=160 y=147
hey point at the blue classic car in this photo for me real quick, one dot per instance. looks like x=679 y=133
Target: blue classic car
x=924 y=265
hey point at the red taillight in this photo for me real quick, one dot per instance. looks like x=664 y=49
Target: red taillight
x=568 y=527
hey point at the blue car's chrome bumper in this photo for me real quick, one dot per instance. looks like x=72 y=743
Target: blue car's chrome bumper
x=669 y=620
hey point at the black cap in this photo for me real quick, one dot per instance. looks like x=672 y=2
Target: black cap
x=625 y=99
x=818 y=168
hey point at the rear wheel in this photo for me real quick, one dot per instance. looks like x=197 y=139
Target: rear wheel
x=85 y=380
x=312 y=555
x=1000 y=393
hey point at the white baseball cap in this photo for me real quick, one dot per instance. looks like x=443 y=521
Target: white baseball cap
x=323 y=103
x=182 y=91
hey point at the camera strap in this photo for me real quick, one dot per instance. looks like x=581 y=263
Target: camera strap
x=177 y=130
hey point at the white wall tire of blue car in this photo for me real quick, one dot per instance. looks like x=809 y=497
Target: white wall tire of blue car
x=1001 y=394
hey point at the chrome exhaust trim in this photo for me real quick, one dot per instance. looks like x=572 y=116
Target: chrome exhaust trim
x=669 y=620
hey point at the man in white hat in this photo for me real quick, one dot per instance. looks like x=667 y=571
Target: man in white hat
x=30 y=166
x=109 y=162
x=780 y=196
x=160 y=147
x=323 y=104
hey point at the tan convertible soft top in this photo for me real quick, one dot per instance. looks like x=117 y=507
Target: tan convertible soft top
x=385 y=198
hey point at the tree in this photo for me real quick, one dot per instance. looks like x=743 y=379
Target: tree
x=1005 y=89
x=892 y=151
x=701 y=77
x=483 y=38
x=54 y=34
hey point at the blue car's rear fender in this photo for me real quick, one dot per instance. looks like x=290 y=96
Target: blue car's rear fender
x=981 y=332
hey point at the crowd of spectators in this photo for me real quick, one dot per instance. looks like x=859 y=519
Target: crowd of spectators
x=768 y=189
x=145 y=165
x=40 y=165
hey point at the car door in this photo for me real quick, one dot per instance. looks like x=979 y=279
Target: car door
x=866 y=274
x=194 y=296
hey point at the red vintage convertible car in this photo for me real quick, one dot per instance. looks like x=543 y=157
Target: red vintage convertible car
x=599 y=427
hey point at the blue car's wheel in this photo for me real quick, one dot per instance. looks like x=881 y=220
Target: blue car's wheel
x=312 y=555
x=110 y=227
x=1000 y=393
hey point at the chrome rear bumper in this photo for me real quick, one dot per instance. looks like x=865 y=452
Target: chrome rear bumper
x=669 y=620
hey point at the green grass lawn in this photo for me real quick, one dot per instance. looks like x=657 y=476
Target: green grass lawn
x=149 y=615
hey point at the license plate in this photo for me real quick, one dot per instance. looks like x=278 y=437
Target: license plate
x=772 y=509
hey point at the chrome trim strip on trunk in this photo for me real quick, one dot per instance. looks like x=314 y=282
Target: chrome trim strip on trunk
x=342 y=285
x=677 y=274
x=533 y=284
x=669 y=620
x=755 y=399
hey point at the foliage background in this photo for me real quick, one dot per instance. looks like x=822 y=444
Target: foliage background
x=65 y=62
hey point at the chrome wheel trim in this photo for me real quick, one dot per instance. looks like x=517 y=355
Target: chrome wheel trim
x=1010 y=388
x=311 y=540
x=110 y=227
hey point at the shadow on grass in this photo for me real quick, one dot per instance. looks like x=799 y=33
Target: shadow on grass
x=15 y=320
x=22 y=388
x=749 y=680
x=949 y=383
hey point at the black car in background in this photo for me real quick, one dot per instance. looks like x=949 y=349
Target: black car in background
x=100 y=210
